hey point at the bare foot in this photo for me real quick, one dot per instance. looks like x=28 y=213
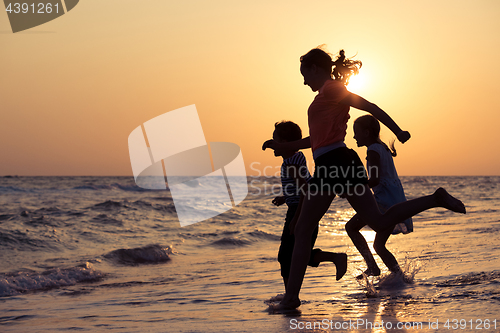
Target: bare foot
x=447 y=201
x=369 y=272
x=341 y=264
x=284 y=307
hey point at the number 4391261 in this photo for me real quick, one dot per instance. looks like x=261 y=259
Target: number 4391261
x=477 y=324
x=39 y=8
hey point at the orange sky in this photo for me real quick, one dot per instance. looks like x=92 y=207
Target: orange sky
x=73 y=89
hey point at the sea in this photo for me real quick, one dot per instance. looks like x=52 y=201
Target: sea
x=91 y=254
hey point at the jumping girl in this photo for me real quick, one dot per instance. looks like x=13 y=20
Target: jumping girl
x=387 y=189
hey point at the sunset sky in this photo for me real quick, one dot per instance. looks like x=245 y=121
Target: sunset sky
x=73 y=89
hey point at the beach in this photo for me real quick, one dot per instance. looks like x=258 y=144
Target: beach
x=101 y=254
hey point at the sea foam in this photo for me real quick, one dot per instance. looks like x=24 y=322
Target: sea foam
x=23 y=282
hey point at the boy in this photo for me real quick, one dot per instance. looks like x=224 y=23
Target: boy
x=294 y=176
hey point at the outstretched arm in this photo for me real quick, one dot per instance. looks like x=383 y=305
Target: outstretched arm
x=359 y=102
x=292 y=145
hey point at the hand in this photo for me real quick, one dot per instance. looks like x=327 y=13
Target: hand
x=278 y=201
x=403 y=136
x=269 y=144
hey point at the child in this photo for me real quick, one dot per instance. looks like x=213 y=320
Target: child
x=294 y=175
x=387 y=190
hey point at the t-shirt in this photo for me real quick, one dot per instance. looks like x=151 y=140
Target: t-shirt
x=327 y=117
x=288 y=181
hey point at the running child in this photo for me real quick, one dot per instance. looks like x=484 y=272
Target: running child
x=294 y=176
x=387 y=189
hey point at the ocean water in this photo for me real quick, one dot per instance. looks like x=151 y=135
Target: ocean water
x=100 y=254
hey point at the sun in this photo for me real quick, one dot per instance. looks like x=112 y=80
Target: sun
x=357 y=83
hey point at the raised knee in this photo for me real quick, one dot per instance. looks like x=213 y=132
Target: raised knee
x=350 y=229
x=379 y=247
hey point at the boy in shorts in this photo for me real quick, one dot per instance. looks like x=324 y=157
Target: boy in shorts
x=294 y=176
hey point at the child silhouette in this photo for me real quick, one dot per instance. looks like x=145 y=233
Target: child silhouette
x=387 y=190
x=294 y=176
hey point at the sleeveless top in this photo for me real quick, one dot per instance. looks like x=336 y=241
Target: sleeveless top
x=327 y=118
x=389 y=191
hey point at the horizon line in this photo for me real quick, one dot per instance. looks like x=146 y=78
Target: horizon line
x=131 y=176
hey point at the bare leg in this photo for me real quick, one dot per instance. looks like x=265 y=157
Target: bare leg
x=353 y=227
x=313 y=209
x=315 y=206
x=339 y=259
x=285 y=281
x=367 y=208
x=386 y=256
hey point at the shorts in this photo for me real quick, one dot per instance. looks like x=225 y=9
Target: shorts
x=288 y=241
x=338 y=171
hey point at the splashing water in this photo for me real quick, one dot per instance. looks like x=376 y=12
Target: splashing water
x=410 y=268
x=391 y=281
x=368 y=284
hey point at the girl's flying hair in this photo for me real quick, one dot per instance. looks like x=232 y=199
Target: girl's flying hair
x=370 y=123
x=343 y=68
